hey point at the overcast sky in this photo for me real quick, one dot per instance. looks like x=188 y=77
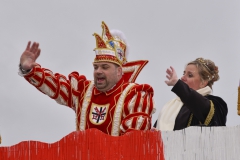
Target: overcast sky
x=163 y=32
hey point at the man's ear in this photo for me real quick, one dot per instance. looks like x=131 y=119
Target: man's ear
x=119 y=71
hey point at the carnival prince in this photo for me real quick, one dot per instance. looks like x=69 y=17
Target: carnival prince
x=111 y=103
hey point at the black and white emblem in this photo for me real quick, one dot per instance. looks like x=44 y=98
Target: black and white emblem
x=98 y=113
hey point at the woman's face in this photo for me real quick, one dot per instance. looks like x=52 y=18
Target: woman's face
x=192 y=78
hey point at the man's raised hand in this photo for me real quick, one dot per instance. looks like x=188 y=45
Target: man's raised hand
x=30 y=55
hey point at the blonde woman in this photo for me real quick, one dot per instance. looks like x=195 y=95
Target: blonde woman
x=194 y=105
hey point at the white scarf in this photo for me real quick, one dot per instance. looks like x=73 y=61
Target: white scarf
x=169 y=112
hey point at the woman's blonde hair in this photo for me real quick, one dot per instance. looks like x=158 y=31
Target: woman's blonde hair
x=207 y=70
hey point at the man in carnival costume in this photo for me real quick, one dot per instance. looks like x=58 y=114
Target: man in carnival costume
x=112 y=103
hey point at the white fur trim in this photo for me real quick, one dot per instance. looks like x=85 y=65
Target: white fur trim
x=118 y=111
x=130 y=69
x=121 y=35
x=86 y=101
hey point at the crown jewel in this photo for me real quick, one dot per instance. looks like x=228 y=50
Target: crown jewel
x=202 y=61
x=109 y=48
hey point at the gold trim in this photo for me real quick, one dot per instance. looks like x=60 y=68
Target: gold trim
x=112 y=60
x=202 y=61
x=190 y=120
x=102 y=43
x=210 y=114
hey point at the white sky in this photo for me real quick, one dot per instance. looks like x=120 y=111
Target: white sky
x=164 y=32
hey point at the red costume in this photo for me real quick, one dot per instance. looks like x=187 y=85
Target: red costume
x=127 y=106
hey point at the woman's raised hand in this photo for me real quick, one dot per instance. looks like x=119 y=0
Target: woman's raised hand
x=171 y=76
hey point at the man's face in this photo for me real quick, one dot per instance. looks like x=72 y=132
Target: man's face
x=106 y=75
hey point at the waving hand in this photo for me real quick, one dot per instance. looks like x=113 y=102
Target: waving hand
x=171 y=76
x=29 y=56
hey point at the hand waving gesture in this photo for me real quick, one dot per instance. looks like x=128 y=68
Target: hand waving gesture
x=30 y=55
x=171 y=76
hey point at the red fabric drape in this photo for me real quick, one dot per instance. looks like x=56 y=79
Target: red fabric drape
x=91 y=144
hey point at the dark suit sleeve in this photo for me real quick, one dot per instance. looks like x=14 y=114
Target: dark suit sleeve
x=155 y=124
x=221 y=111
x=195 y=102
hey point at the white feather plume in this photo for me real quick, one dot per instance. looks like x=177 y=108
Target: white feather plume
x=121 y=35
